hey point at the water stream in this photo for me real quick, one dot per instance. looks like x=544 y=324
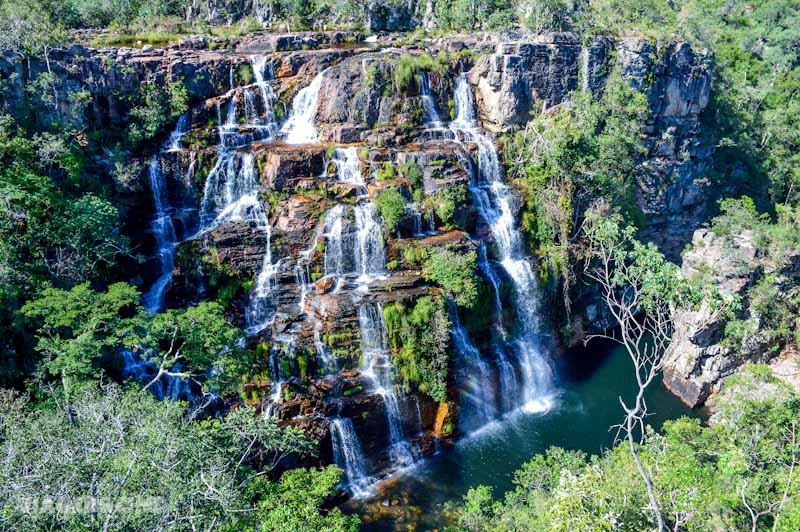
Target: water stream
x=300 y=127
x=494 y=200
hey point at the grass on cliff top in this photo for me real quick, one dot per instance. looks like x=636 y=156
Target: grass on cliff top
x=165 y=31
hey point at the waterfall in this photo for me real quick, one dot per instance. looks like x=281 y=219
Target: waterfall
x=479 y=393
x=164 y=233
x=299 y=127
x=348 y=166
x=323 y=352
x=493 y=199
x=432 y=118
x=465 y=105
x=359 y=250
x=144 y=370
x=231 y=192
x=261 y=308
x=335 y=245
x=287 y=350
x=262 y=71
x=181 y=128
x=348 y=455
x=369 y=253
x=416 y=218
x=377 y=367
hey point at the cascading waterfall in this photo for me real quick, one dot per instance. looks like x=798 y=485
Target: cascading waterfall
x=493 y=199
x=348 y=166
x=369 y=253
x=348 y=455
x=377 y=367
x=431 y=115
x=479 y=408
x=359 y=251
x=299 y=127
x=285 y=348
x=231 y=189
x=165 y=235
x=176 y=136
x=334 y=236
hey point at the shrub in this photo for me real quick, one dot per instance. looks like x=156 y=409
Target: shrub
x=420 y=337
x=446 y=200
x=455 y=273
x=392 y=206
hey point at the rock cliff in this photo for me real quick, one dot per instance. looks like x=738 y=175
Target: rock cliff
x=702 y=355
x=289 y=235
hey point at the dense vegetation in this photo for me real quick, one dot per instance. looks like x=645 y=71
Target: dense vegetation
x=80 y=433
x=737 y=474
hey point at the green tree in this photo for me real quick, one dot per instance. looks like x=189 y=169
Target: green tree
x=391 y=205
x=455 y=272
x=79 y=326
x=116 y=459
x=198 y=338
x=420 y=338
x=80 y=331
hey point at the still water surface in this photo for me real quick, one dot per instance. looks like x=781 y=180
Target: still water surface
x=584 y=409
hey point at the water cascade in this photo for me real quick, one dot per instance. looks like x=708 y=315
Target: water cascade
x=299 y=127
x=432 y=118
x=348 y=455
x=377 y=368
x=479 y=408
x=165 y=235
x=360 y=250
x=493 y=199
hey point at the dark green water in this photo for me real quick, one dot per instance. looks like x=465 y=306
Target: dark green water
x=584 y=407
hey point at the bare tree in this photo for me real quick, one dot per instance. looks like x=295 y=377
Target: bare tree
x=642 y=292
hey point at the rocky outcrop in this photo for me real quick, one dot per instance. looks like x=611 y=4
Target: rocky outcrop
x=523 y=78
x=529 y=75
x=390 y=16
x=701 y=354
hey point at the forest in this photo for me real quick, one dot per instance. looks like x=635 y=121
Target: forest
x=460 y=265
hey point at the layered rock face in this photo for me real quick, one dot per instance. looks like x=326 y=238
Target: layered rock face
x=527 y=77
x=699 y=357
x=273 y=187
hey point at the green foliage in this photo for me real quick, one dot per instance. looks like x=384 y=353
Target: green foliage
x=392 y=206
x=412 y=172
x=566 y=161
x=420 y=337
x=659 y=285
x=446 y=200
x=704 y=476
x=294 y=504
x=29 y=27
x=385 y=171
x=120 y=460
x=47 y=228
x=772 y=306
x=410 y=65
x=156 y=109
x=455 y=272
x=78 y=328
x=736 y=215
x=473 y=14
